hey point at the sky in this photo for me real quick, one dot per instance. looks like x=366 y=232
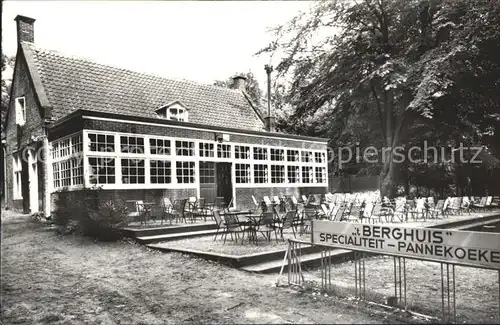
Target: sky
x=193 y=40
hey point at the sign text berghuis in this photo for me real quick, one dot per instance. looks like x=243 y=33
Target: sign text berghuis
x=472 y=248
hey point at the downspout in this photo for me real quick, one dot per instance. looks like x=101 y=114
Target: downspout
x=47 y=166
x=4 y=180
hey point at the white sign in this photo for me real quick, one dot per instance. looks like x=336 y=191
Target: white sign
x=441 y=245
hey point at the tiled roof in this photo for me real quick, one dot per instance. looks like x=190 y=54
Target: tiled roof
x=74 y=83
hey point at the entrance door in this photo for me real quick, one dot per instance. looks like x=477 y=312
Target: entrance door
x=208 y=185
x=224 y=183
x=25 y=185
x=33 y=187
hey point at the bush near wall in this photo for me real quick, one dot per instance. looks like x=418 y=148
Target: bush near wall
x=87 y=213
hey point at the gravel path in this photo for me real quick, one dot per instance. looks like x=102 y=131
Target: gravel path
x=50 y=279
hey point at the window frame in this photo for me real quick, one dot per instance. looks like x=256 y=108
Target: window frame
x=178 y=154
x=181 y=111
x=20 y=110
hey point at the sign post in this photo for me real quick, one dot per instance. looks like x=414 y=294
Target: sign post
x=468 y=248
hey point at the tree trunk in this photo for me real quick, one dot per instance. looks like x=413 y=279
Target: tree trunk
x=392 y=130
x=387 y=178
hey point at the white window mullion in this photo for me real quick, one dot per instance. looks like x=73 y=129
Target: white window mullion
x=174 y=164
x=147 y=158
x=84 y=158
x=197 y=166
x=118 y=162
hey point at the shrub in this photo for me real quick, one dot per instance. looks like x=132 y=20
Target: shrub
x=90 y=215
x=61 y=216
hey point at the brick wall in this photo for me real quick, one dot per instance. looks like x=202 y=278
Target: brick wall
x=244 y=195
x=18 y=138
x=25 y=29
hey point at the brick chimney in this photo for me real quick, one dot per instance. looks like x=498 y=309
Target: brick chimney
x=239 y=82
x=25 y=29
x=270 y=119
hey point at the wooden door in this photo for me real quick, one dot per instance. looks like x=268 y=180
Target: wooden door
x=208 y=185
x=224 y=182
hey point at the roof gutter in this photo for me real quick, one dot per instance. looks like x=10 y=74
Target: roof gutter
x=81 y=113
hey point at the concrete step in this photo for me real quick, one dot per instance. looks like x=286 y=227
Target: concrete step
x=147 y=232
x=478 y=225
x=462 y=224
x=307 y=260
x=273 y=255
x=174 y=236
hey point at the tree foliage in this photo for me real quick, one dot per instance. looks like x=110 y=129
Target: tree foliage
x=392 y=72
x=6 y=84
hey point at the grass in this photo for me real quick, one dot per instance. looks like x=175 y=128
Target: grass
x=477 y=296
x=51 y=279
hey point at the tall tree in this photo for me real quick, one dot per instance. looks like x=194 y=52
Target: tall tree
x=391 y=66
x=6 y=84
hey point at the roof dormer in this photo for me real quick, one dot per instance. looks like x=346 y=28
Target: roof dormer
x=175 y=111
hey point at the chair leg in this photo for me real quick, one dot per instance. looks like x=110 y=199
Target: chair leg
x=216 y=233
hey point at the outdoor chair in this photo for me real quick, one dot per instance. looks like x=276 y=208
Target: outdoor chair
x=354 y=213
x=465 y=206
x=324 y=213
x=435 y=211
x=366 y=211
x=265 y=225
x=257 y=207
x=166 y=207
x=189 y=208
x=495 y=202
x=142 y=215
x=317 y=199
x=230 y=207
x=296 y=205
x=374 y=212
x=219 y=203
x=219 y=222
x=489 y=200
x=418 y=210
x=386 y=203
x=177 y=211
x=232 y=225
x=333 y=211
x=307 y=215
x=267 y=201
x=199 y=209
x=277 y=213
x=338 y=215
x=132 y=211
x=289 y=221
x=455 y=205
x=399 y=211
x=481 y=204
